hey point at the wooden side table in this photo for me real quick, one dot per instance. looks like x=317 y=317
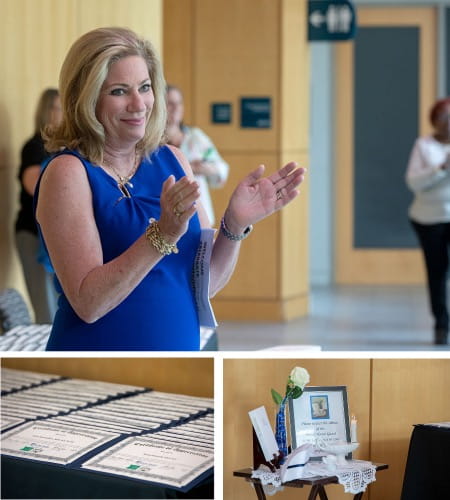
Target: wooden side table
x=317 y=483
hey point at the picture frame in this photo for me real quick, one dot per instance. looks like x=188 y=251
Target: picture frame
x=320 y=413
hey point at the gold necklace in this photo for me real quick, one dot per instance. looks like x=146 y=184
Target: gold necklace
x=124 y=181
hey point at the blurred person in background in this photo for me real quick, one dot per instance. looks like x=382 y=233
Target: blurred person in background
x=428 y=177
x=210 y=170
x=39 y=282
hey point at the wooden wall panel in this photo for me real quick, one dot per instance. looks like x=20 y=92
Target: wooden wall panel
x=295 y=60
x=247 y=384
x=142 y=16
x=294 y=239
x=179 y=375
x=237 y=53
x=250 y=278
x=34 y=40
x=255 y=48
x=405 y=392
x=177 y=49
x=294 y=138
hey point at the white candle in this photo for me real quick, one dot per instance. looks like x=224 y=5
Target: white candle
x=353 y=433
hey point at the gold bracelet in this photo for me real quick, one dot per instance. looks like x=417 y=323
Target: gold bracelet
x=153 y=235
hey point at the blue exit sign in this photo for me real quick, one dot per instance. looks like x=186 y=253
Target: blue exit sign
x=331 y=20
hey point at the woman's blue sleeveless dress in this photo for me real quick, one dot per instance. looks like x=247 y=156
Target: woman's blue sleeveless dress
x=160 y=314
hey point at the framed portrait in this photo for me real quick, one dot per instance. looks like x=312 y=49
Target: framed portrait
x=320 y=414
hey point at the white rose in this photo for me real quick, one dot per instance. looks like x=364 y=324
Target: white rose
x=299 y=376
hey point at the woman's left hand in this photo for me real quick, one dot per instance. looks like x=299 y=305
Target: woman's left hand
x=256 y=197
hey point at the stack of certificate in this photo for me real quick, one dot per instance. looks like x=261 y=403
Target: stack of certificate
x=161 y=438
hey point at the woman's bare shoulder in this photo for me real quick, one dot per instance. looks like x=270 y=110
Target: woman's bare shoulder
x=64 y=165
x=66 y=174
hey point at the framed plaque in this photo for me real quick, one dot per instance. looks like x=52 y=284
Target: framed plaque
x=320 y=415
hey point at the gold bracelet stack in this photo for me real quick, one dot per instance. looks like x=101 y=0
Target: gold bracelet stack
x=153 y=235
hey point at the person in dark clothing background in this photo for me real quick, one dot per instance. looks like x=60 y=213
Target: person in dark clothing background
x=39 y=282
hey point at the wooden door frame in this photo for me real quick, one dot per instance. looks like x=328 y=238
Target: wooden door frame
x=376 y=266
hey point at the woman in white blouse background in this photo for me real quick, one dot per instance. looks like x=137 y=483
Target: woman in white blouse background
x=209 y=168
x=428 y=177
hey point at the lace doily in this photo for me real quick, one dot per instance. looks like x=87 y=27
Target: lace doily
x=354 y=476
x=271 y=481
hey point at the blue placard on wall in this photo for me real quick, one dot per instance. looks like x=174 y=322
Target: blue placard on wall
x=221 y=112
x=256 y=112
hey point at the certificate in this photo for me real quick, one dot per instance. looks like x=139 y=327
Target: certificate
x=48 y=442
x=13 y=380
x=8 y=422
x=155 y=460
x=174 y=437
x=177 y=400
x=74 y=419
x=320 y=416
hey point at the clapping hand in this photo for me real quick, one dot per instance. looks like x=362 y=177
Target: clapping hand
x=256 y=197
x=177 y=206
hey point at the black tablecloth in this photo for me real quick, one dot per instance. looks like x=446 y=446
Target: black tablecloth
x=427 y=473
x=26 y=479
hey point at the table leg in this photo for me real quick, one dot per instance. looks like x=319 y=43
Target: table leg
x=322 y=493
x=259 y=491
x=358 y=496
x=317 y=489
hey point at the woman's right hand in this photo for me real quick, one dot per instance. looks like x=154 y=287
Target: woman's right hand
x=177 y=206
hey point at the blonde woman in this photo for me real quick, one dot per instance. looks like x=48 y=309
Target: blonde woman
x=119 y=211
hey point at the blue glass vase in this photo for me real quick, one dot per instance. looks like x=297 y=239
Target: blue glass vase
x=280 y=429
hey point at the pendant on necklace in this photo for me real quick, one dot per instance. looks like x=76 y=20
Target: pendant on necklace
x=124 y=182
x=123 y=188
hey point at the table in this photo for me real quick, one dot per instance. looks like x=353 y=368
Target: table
x=317 y=483
x=31 y=480
x=427 y=465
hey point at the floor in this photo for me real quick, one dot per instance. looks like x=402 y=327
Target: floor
x=344 y=318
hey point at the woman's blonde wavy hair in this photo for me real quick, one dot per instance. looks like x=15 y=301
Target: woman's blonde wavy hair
x=82 y=75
